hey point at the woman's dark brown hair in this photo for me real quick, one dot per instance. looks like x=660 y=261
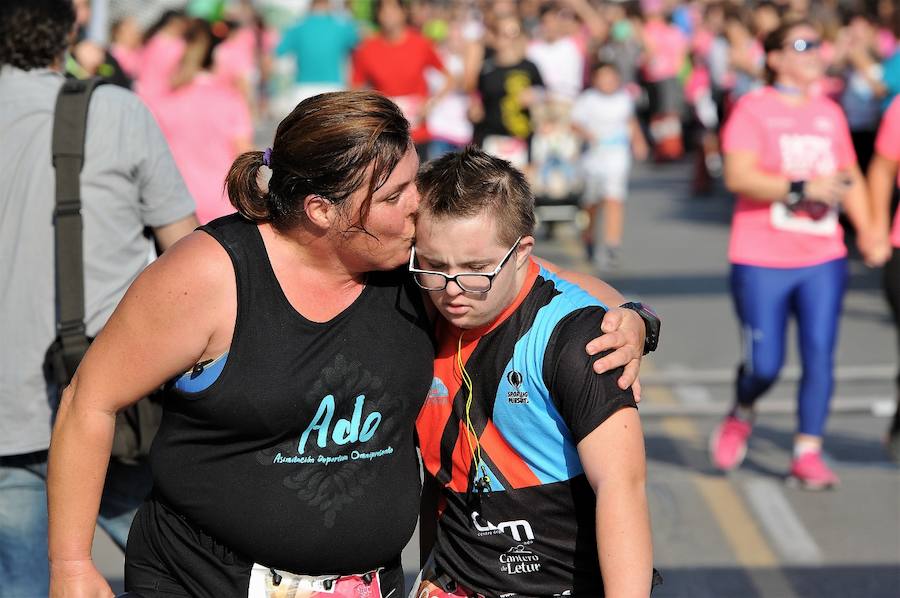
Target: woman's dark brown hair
x=330 y=145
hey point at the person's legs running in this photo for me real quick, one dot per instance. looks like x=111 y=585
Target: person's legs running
x=615 y=188
x=24 y=570
x=613 y=221
x=818 y=305
x=761 y=299
x=590 y=203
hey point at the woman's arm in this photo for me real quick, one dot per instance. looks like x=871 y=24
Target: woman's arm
x=177 y=311
x=623 y=329
x=615 y=465
x=744 y=177
x=881 y=176
x=858 y=209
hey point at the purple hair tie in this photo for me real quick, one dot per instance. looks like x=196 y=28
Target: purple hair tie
x=267 y=157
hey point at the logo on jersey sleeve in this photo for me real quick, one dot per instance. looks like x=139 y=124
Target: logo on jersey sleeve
x=517 y=396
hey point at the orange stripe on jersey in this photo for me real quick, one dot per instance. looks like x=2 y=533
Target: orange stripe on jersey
x=437 y=411
x=507 y=460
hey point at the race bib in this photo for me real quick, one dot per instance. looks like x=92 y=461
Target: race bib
x=782 y=218
x=266 y=583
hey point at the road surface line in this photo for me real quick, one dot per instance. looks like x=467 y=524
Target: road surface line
x=784 y=528
x=734 y=520
x=676 y=374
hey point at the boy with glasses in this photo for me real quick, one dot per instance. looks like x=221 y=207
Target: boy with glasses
x=538 y=459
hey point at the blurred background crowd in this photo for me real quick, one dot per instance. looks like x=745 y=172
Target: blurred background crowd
x=539 y=83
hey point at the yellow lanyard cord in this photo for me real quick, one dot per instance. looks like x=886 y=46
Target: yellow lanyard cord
x=475 y=451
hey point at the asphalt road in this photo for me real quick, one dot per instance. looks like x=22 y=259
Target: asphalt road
x=746 y=534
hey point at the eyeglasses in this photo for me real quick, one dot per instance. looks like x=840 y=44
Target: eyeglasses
x=470 y=282
x=805 y=45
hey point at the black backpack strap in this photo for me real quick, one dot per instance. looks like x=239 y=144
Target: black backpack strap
x=69 y=126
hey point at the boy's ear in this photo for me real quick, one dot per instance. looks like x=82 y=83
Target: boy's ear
x=523 y=251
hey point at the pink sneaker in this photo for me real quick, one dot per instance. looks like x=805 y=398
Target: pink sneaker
x=810 y=472
x=728 y=443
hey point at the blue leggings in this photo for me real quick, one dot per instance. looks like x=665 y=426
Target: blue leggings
x=763 y=299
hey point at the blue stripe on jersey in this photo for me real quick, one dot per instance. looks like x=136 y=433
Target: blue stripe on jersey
x=190 y=383
x=535 y=429
x=496 y=486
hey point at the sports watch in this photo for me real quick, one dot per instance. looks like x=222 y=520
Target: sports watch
x=651 y=324
x=795 y=194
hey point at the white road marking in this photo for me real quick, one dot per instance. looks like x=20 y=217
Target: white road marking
x=784 y=529
x=678 y=374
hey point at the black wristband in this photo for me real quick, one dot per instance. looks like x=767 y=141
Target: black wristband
x=796 y=193
x=651 y=324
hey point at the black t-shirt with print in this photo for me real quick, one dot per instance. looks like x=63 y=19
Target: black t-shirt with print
x=499 y=87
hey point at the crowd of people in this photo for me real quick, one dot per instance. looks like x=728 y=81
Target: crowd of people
x=365 y=287
x=504 y=75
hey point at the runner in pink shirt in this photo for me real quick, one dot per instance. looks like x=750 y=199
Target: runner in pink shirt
x=883 y=171
x=665 y=53
x=207 y=122
x=790 y=160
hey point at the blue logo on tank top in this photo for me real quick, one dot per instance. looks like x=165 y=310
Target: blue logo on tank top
x=344 y=431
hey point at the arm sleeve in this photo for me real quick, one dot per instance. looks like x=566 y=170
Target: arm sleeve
x=742 y=131
x=584 y=399
x=164 y=198
x=888 y=142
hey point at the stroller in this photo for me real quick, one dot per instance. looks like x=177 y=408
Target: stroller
x=554 y=174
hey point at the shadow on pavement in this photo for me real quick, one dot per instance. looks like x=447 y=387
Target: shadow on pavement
x=846 y=449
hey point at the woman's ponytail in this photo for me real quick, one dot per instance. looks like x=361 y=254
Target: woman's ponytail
x=243 y=188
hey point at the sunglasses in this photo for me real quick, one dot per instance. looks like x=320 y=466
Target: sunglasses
x=804 y=45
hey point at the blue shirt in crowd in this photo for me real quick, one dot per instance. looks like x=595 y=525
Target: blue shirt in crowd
x=321 y=44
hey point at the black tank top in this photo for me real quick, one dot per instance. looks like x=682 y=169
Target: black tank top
x=301 y=455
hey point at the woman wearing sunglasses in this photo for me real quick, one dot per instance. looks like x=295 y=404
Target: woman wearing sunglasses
x=790 y=160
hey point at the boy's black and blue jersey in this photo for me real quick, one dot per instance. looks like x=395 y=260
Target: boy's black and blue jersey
x=535 y=397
